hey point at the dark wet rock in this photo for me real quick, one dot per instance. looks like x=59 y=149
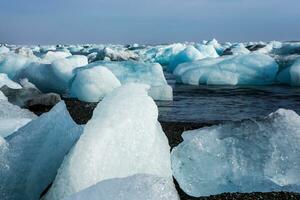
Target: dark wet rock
x=255 y=47
x=135 y=47
x=29 y=95
x=227 y=52
x=112 y=55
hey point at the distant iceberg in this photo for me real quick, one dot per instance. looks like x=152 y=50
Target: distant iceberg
x=138 y=72
x=249 y=69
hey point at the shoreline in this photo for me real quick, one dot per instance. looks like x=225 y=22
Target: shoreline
x=82 y=112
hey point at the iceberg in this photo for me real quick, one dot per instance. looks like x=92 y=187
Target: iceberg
x=51 y=56
x=116 y=55
x=249 y=156
x=123 y=138
x=162 y=54
x=4 y=80
x=136 y=187
x=237 y=49
x=2 y=96
x=12 y=118
x=189 y=54
x=35 y=153
x=207 y=50
x=249 y=69
x=138 y=72
x=290 y=75
x=218 y=47
x=3 y=158
x=11 y=64
x=63 y=68
x=91 y=85
x=4 y=49
x=26 y=52
x=285 y=48
x=43 y=77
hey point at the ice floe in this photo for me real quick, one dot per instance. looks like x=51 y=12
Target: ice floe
x=249 y=156
x=249 y=69
x=123 y=138
x=35 y=152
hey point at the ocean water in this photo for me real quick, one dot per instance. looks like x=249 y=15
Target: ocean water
x=215 y=104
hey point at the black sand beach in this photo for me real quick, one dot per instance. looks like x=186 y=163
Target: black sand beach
x=82 y=112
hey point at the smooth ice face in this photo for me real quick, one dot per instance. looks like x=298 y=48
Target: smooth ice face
x=290 y=75
x=250 y=69
x=4 y=80
x=43 y=77
x=4 y=49
x=123 y=138
x=63 y=68
x=11 y=64
x=239 y=49
x=51 y=56
x=219 y=48
x=35 y=152
x=163 y=54
x=136 y=187
x=12 y=118
x=189 y=54
x=207 y=50
x=91 y=85
x=137 y=72
x=285 y=48
x=2 y=96
x=248 y=156
x=54 y=77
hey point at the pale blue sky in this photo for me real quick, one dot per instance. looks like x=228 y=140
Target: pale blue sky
x=145 y=21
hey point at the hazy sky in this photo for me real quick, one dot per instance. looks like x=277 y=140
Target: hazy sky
x=147 y=21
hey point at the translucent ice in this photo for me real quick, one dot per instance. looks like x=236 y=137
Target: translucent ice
x=12 y=118
x=249 y=156
x=4 y=80
x=189 y=54
x=35 y=152
x=11 y=64
x=4 y=49
x=51 y=56
x=207 y=50
x=63 y=68
x=163 y=54
x=290 y=75
x=43 y=77
x=250 y=69
x=91 y=85
x=123 y=138
x=134 y=187
x=139 y=72
x=236 y=49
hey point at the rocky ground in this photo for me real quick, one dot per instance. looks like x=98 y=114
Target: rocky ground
x=82 y=112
